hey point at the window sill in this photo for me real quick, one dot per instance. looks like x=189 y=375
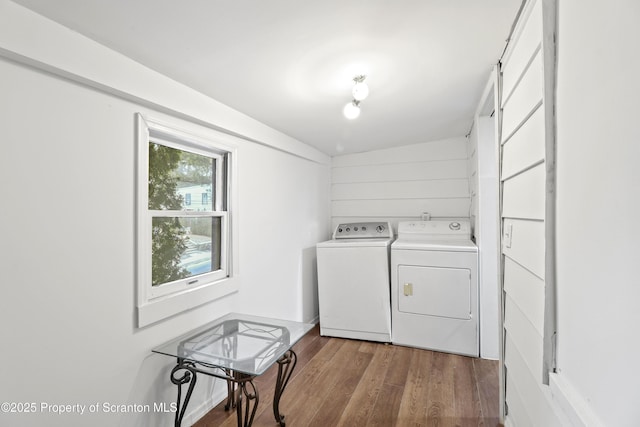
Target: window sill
x=162 y=308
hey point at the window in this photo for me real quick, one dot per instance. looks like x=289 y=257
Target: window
x=182 y=244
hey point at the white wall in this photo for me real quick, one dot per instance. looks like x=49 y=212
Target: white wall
x=284 y=212
x=483 y=180
x=399 y=184
x=67 y=179
x=597 y=210
x=526 y=158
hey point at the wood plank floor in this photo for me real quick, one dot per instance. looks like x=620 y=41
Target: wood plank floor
x=339 y=382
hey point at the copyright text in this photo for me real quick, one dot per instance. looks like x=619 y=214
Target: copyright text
x=81 y=409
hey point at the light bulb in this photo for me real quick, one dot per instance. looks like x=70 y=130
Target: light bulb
x=360 y=91
x=351 y=110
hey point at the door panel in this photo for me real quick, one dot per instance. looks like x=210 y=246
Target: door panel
x=435 y=291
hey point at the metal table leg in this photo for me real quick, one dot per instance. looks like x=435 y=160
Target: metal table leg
x=231 y=391
x=286 y=364
x=247 y=389
x=188 y=377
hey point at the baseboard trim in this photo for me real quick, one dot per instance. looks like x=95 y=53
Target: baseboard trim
x=203 y=409
x=571 y=403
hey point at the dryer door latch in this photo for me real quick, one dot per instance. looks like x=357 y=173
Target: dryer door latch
x=408 y=289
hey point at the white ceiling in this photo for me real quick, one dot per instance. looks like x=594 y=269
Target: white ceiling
x=290 y=63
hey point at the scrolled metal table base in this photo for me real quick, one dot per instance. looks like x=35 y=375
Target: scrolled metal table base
x=240 y=387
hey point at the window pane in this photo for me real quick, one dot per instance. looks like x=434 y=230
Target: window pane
x=183 y=247
x=174 y=175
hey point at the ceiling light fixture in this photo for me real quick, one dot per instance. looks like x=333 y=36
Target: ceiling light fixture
x=360 y=91
x=351 y=110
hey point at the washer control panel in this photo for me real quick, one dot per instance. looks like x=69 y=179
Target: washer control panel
x=363 y=230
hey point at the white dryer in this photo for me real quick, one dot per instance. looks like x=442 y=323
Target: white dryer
x=354 y=282
x=434 y=287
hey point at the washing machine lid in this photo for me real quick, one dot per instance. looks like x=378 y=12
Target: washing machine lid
x=355 y=243
x=436 y=245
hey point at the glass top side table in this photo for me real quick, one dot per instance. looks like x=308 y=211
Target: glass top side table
x=237 y=348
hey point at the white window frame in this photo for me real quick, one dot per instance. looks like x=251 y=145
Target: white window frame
x=155 y=303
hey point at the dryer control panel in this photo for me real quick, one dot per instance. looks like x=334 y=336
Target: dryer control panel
x=363 y=230
x=436 y=229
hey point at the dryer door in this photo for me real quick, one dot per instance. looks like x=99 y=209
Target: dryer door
x=434 y=291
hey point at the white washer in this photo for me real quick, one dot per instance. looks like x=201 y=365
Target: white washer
x=354 y=282
x=434 y=287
